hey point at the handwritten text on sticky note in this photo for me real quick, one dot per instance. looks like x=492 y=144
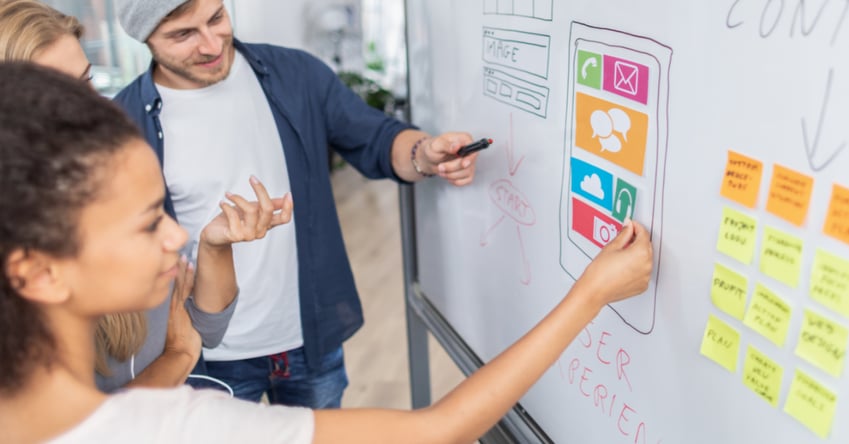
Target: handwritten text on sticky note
x=789 y=195
x=737 y=235
x=728 y=291
x=762 y=375
x=742 y=180
x=781 y=256
x=822 y=342
x=811 y=403
x=768 y=315
x=721 y=343
x=837 y=219
x=830 y=282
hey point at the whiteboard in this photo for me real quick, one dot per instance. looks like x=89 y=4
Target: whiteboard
x=721 y=126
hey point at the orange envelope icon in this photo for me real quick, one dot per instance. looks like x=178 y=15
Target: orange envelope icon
x=611 y=131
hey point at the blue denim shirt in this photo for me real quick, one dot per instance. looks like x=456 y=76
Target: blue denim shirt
x=312 y=110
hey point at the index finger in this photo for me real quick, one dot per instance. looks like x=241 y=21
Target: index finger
x=265 y=205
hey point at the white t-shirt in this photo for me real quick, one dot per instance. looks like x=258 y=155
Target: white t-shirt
x=216 y=138
x=184 y=415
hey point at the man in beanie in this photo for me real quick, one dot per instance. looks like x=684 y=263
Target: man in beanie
x=228 y=110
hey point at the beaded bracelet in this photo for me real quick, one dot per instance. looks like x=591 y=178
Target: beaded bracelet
x=413 y=157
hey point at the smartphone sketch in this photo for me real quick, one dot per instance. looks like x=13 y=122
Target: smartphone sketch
x=615 y=152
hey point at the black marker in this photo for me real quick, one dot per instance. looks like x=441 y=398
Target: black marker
x=474 y=146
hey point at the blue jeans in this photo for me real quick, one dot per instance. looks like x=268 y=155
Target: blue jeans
x=285 y=378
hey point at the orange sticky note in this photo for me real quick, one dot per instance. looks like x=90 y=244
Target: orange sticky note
x=789 y=195
x=837 y=219
x=742 y=180
x=611 y=131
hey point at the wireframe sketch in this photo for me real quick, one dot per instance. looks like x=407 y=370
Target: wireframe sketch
x=538 y=9
x=615 y=151
x=516 y=64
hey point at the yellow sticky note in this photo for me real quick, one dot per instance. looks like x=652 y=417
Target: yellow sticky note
x=781 y=256
x=822 y=342
x=721 y=343
x=742 y=180
x=762 y=375
x=830 y=282
x=837 y=219
x=729 y=290
x=811 y=403
x=768 y=315
x=789 y=195
x=737 y=235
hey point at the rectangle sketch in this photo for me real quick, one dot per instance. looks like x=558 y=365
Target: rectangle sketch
x=522 y=51
x=537 y=9
x=616 y=129
x=515 y=92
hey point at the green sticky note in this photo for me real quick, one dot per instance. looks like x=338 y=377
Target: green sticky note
x=762 y=375
x=624 y=200
x=721 y=343
x=728 y=291
x=588 y=71
x=822 y=342
x=830 y=282
x=768 y=315
x=811 y=403
x=781 y=256
x=737 y=235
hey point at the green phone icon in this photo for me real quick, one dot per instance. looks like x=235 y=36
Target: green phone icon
x=589 y=69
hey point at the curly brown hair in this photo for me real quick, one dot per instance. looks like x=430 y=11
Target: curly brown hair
x=57 y=138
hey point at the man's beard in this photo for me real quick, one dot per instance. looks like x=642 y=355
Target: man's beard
x=184 y=70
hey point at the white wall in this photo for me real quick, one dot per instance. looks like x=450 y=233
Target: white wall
x=270 y=21
x=305 y=24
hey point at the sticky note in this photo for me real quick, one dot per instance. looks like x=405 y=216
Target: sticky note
x=781 y=256
x=830 y=282
x=811 y=403
x=742 y=180
x=837 y=219
x=762 y=375
x=611 y=131
x=737 y=235
x=729 y=290
x=789 y=195
x=721 y=343
x=768 y=315
x=822 y=342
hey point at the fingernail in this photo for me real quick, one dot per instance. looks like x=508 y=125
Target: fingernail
x=626 y=223
x=466 y=164
x=254 y=180
x=190 y=266
x=441 y=169
x=228 y=194
x=184 y=258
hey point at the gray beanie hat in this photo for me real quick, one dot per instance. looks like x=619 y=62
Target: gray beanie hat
x=141 y=17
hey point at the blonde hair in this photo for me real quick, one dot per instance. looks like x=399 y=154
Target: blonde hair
x=27 y=27
x=119 y=336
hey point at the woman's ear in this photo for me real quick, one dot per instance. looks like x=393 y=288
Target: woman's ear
x=34 y=276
